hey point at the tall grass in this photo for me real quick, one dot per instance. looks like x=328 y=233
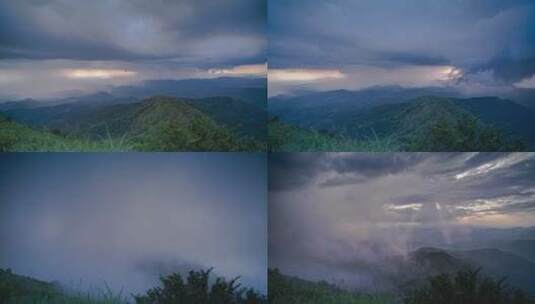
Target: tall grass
x=288 y=290
x=103 y=295
x=286 y=138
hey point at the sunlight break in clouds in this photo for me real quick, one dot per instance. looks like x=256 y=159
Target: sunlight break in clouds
x=241 y=70
x=97 y=73
x=303 y=75
x=483 y=169
x=526 y=83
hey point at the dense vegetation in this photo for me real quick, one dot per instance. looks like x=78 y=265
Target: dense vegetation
x=425 y=123
x=16 y=289
x=462 y=287
x=20 y=138
x=196 y=289
x=466 y=287
x=283 y=137
x=157 y=125
x=464 y=134
x=283 y=289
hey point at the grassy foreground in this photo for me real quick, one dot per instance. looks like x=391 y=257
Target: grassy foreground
x=201 y=135
x=283 y=289
x=286 y=138
x=196 y=288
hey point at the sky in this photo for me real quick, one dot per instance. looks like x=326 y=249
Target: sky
x=53 y=47
x=327 y=208
x=477 y=46
x=84 y=219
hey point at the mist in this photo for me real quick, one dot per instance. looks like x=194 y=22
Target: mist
x=85 y=220
x=355 y=218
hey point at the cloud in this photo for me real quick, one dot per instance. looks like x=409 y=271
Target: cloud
x=526 y=83
x=241 y=70
x=471 y=36
x=97 y=73
x=347 y=216
x=303 y=75
x=358 y=77
x=121 y=218
x=190 y=31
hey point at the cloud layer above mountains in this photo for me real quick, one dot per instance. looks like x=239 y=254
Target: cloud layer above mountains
x=490 y=43
x=177 y=39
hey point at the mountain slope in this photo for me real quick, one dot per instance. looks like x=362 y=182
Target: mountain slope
x=16 y=137
x=426 y=123
x=518 y=270
x=243 y=117
x=512 y=118
x=131 y=119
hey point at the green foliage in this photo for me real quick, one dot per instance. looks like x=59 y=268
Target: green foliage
x=285 y=138
x=197 y=290
x=467 y=134
x=466 y=287
x=16 y=289
x=202 y=134
x=424 y=124
x=15 y=137
x=288 y=290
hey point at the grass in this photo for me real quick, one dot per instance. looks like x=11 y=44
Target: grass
x=17 y=289
x=101 y=296
x=202 y=135
x=283 y=289
x=15 y=137
x=285 y=138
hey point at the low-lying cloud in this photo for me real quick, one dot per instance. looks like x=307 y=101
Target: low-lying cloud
x=126 y=219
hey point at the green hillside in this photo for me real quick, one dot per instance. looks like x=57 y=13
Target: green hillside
x=156 y=124
x=283 y=137
x=423 y=124
x=15 y=137
x=198 y=287
x=283 y=289
x=17 y=289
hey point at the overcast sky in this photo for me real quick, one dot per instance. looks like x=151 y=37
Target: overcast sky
x=51 y=46
x=478 y=46
x=333 y=207
x=124 y=219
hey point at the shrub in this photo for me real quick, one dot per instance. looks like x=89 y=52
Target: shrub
x=466 y=287
x=203 y=134
x=467 y=134
x=197 y=290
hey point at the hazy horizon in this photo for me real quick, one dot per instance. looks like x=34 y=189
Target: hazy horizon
x=124 y=219
x=477 y=47
x=334 y=216
x=52 y=47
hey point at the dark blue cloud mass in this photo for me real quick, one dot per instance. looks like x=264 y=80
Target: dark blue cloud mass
x=474 y=36
x=187 y=32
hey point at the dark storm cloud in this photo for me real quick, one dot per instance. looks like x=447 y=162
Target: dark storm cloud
x=125 y=219
x=190 y=32
x=450 y=179
x=471 y=35
x=290 y=171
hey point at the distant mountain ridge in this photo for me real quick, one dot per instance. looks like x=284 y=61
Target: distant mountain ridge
x=374 y=113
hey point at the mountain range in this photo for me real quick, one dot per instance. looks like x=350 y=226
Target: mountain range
x=237 y=107
x=406 y=116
